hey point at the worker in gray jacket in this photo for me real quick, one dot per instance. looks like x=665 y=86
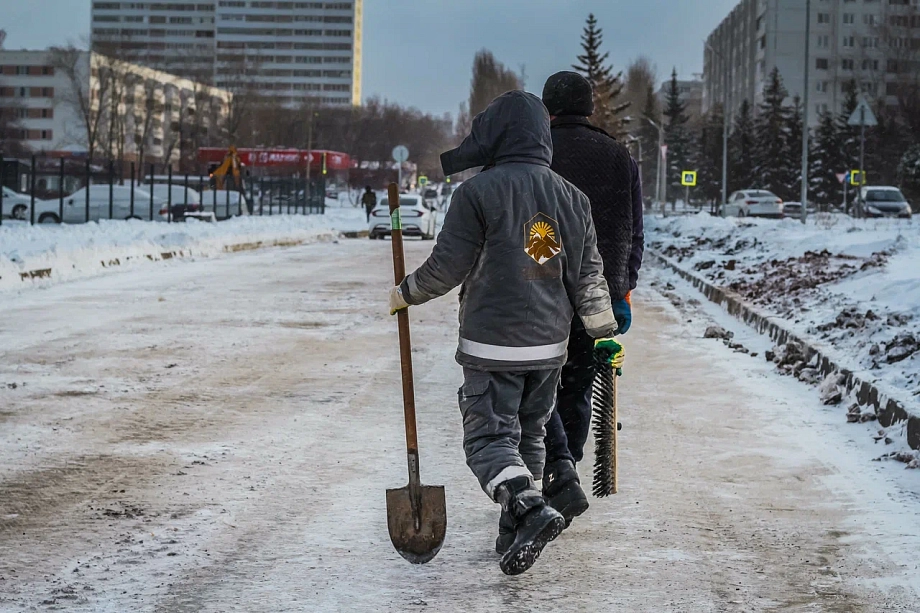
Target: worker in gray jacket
x=521 y=241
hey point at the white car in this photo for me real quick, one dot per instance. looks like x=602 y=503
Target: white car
x=418 y=219
x=75 y=205
x=754 y=203
x=15 y=205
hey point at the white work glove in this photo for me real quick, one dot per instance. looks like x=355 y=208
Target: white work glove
x=397 y=302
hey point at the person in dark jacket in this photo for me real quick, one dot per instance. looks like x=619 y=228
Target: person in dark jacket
x=521 y=241
x=369 y=200
x=603 y=169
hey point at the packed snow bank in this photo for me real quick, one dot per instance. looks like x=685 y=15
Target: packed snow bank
x=853 y=286
x=43 y=254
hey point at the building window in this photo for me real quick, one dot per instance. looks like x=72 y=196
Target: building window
x=46 y=134
x=821 y=63
x=869 y=19
x=823 y=41
x=821 y=108
x=870 y=64
x=824 y=17
x=822 y=87
x=849 y=41
x=847 y=64
x=849 y=18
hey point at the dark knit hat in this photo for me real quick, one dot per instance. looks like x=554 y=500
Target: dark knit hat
x=568 y=93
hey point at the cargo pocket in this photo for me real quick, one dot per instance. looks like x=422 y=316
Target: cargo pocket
x=474 y=402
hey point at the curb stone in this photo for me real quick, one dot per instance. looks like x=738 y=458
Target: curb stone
x=889 y=410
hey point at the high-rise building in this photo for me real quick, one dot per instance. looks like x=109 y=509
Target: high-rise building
x=294 y=51
x=872 y=43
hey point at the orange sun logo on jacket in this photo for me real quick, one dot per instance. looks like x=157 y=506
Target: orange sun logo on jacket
x=540 y=235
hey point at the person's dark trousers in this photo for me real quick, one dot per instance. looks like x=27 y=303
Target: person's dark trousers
x=368 y=209
x=568 y=426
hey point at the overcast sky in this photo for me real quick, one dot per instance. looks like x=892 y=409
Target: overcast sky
x=420 y=52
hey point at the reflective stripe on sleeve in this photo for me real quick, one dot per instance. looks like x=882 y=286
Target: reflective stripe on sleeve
x=600 y=321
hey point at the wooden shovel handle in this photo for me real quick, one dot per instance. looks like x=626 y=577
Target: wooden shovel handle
x=402 y=317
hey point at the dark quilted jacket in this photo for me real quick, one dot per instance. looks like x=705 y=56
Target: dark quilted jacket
x=602 y=168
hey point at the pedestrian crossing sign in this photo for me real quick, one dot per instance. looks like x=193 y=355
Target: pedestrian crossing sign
x=688 y=178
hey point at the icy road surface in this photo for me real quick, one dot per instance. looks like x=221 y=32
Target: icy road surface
x=217 y=436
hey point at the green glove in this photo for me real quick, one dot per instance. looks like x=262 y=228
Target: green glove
x=612 y=351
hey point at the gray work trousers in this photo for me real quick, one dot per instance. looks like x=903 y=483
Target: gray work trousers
x=504 y=414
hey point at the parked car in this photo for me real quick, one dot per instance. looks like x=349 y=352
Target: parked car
x=225 y=203
x=794 y=209
x=182 y=202
x=15 y=205
x=885 y=201
x=418 y=219
x=754 y=203
x=75 y=205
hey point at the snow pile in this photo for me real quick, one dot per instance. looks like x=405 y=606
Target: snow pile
x=852 y=286
x=42 y=254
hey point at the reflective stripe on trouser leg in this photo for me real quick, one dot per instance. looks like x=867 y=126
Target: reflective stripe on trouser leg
x=498 y=409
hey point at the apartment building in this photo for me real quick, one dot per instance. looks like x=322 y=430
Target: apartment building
x=872 y=42
x=292 y=51
x=136 y=108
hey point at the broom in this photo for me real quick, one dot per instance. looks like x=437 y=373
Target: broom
x=604 y=408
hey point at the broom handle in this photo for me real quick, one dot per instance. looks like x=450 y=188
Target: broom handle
x=616 y=421
x=405 y=344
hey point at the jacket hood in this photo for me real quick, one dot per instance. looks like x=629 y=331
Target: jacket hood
x=513 y=128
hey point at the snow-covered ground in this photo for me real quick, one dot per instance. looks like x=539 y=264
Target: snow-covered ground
x=218 y=435
x=48 y=254
x=851 y=285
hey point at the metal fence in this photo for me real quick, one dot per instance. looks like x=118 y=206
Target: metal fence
x=70 y=190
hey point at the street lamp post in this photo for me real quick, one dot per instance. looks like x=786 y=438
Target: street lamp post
x=726 y=99
x=805 y=113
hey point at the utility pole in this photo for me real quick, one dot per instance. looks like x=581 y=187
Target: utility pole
x=804 y=197
x=726 y=102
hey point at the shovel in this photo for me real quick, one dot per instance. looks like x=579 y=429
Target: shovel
x=416 y=514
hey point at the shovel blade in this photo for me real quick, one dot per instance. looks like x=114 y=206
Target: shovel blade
x=420 y=541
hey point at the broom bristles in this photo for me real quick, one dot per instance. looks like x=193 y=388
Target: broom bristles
x=604 y=429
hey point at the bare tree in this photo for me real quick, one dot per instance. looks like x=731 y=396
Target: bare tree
x=640 y=76
x=74 y=64
x=490 y=79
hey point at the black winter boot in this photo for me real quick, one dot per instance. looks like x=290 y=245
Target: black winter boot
x=562 y=489
x=536 y=523
x=505 y=533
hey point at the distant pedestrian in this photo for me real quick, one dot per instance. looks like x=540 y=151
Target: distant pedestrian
x=369 y=199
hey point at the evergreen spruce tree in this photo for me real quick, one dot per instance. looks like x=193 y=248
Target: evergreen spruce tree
x=677 y=138
x=827 y=162
x=849 y=135
x=608 y=112
x=709 y=159
x=741 y=150
x=771 y=129
x=793 y=156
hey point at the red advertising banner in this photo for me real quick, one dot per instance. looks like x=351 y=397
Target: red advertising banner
x=258 y=158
